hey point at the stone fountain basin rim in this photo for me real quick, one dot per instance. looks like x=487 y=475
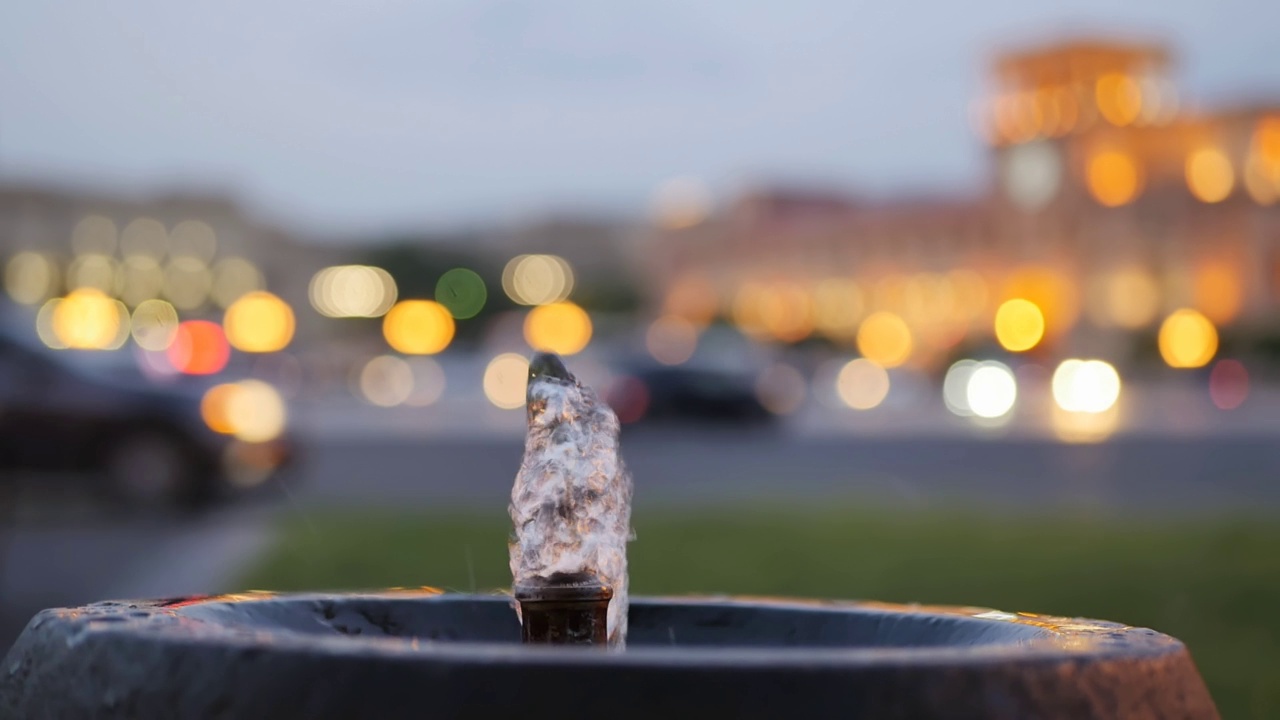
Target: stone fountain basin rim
x=1031 y=638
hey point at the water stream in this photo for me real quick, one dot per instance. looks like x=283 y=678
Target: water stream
x=571 y=503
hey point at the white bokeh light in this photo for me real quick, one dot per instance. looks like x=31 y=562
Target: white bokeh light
x=955 y=387
x=992 y=390
x=1087 y=386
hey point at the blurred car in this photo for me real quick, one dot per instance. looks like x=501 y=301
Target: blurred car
x=657 y=393
x=96 y=417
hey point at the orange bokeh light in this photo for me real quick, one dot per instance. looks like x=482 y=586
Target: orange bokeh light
x=1262 y=168
x=213 y=408
x=560 y=327
x=1187 y=339
x=1210 y=175
x=199 y=348
x=885 y=339
x=693 y=298
x=418 y=327
x=1119 y=98
x=1218 y=292
x=1114 y=178
x=786 y=311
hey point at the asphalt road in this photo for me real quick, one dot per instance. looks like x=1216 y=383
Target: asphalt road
x=1129 y=474
x=65 y=552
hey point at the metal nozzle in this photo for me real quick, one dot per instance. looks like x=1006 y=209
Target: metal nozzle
x=564 y=609
x=550 y=366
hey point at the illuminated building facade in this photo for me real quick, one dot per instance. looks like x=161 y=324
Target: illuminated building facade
x=1109 y=207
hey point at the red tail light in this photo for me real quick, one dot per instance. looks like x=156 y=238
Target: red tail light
x=629 y=398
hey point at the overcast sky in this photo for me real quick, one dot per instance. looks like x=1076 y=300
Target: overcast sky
x=359 y=114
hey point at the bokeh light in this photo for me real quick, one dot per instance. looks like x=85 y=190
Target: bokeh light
x=671 y=339
x=681 y=203
x=462 y=291
x=1188 y=339
x=352 y=291
x=386 y=381
x=213 y=408
x=955 y=387
x=1019 y=325
x=992 y=390
x=30 y=278
x=199 y=347
x=505 y=379
x=94 y=235
x=87 y=319
x=1086 y=386
x=693 y=298
x=44 y=324
x=232 y=278
x=259 y=322
x=786 y=312
x=428 y=381
x=193 y=239
x=537 y=279
x=885 y=339
x=1210 y=175
x=746 y=310
x=1032 y=174
x=562 y=328
x=155 y=325
x=1128 y=298
x=862 y=384
x=418 y=327
x=838 y=306
x=96 y=272
x=1119 y=98
x=1218 y=291
x=187 y=283
x=781 y=389
x=1262 y=180
x=1113 y=178
x=139 y=278
x=255 y=411
x=1262 y=168
x=1228 y=384
x=146 y=237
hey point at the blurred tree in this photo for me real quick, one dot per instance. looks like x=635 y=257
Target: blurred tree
x=416 y=264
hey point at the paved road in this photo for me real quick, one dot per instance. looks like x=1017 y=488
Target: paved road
x=1130 y=473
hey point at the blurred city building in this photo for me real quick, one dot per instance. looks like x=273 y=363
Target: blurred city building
x=1109 y=206
x=198 y=251
x=201 y=232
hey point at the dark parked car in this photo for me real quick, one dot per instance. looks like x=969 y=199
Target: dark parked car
x=654 y=393
x=66 y=414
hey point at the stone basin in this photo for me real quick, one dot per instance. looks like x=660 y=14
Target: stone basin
x=423 y=653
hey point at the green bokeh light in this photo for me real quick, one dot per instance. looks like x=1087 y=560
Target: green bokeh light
x=462 y=291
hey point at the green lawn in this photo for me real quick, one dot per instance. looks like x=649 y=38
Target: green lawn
x=1214 y=584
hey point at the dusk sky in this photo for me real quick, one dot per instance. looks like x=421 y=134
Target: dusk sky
x=357 y=115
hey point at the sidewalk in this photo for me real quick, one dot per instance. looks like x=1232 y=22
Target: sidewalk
x=80 y=559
